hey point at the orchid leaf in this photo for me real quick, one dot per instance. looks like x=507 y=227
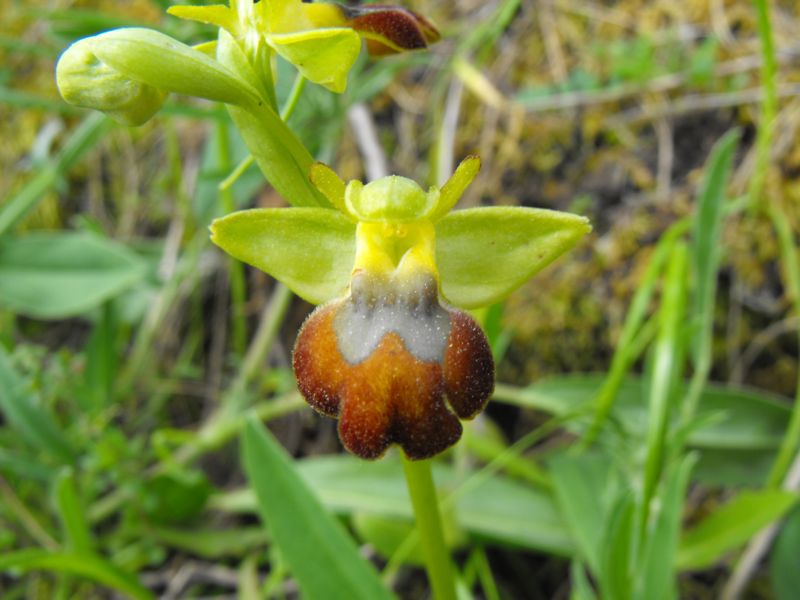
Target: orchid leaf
x=311 y=250
x=156 y=59
x=485 y=253
x=323 y=56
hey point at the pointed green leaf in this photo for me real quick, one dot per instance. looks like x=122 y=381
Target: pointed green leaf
x=323 y=56
x=579 y=483
x=495 y=508
x=486 y=253
x=731 y=526
x=319 y=552
x=72 y=511
x=311 y=250
x=707 y=227
x=616 y=561
x=656 y=577
x=90 y=566
x=23 y=413
x=784 y=574
x=56 y=275
x=156 y=59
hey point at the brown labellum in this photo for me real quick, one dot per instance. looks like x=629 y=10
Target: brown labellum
x=394 y=368
x=391 y=29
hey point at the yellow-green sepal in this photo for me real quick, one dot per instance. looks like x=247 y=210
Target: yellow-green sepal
x=484 y=254
x=215 y=14
x=330 y=184
x=311 y=250
x=323 y=56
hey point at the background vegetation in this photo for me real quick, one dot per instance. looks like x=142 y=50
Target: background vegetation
x=607 y=464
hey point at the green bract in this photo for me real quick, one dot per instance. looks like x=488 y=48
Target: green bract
x=482 y=254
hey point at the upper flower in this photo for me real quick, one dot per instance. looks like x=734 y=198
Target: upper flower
x=128 y=72
x=320 y=39
x=387 y=353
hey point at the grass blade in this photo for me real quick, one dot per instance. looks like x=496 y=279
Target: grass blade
x=316 y=548
x=666 y=370
x=73 y=514
x=656 y=573
x=80 y=142
x=731 y=526
x=579 y=483
x=34 y=424
x=783 y=569
x=83 y=565
x=623 y=357
x=705 y=262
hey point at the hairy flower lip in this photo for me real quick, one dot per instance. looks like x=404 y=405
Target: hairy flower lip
x=391 y=29
x=390 y=394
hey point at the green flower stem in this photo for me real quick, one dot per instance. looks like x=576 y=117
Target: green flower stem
x=294 y=97
x=237 y=172
x=429 y=524
x=235 y=267
x=286 y=112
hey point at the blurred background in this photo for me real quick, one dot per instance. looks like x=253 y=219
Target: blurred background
x=122 y=327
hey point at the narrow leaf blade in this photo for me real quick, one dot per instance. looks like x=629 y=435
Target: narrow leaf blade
x=317 y=549
x=58 y=275
x=83 y=565
x=731 y=526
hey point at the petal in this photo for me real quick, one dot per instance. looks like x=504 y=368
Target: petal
x=284 y=16
x=318 y=366
x=486 y=253
x=323 y=56
x=324 y=14
x=468 y=366
x=455 y=187
x=216 y=14
x=330 y=184
x=311 y=250
x=423 y=425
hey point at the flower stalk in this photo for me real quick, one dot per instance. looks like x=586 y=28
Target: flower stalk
x=425 y=503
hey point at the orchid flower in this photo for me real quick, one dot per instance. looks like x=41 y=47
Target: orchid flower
x=387 y=352
x=321 y=39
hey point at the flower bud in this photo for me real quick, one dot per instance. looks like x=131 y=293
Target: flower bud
x=86 y=81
